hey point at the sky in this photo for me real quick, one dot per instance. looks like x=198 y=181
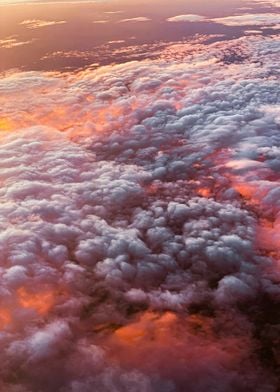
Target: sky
x=71 y=35
x=139 y=198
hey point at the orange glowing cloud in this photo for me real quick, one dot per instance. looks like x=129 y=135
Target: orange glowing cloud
x=167 y=341
x=204 y=192
x=6 y=124
x=246 y=190
x=268 y=239
x=5 y=318
x=41 y=302
x=149 y=325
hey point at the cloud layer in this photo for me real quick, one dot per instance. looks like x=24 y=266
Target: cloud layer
x=140 y=219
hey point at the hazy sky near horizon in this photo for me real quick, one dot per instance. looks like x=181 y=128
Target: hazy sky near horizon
x=68 y=35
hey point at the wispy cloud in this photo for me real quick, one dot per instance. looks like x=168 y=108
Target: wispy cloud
x=12 y=42
x=36 y=2
x=264 y=19
x=249 y=20
x=102 y=21
x=253 y=32
x=187 y=18
x=272 y=3
x=113 y=12
x=118 y=41
x=136 y=19
x=38 y=23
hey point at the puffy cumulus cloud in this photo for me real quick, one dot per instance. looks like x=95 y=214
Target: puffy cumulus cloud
x=37 y=23
x=139 y=219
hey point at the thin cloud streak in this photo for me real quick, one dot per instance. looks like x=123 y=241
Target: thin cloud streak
x=37 y=23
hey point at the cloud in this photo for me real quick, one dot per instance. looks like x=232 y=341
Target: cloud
x=249 y=20
x=114 y=12
x=140 y=219
x=13 y=42
x=127 y=20
x=136 y=19
x=86 y=55
x=272 y=3
x=249 y=32
x=119 y=41
x=37 y=23
x=37 y=2
x=267 y=19
x=115 y=51
x=187 y=18
x=275 y=27
x=101 y=21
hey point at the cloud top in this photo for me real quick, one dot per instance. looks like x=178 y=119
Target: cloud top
x=139 y=219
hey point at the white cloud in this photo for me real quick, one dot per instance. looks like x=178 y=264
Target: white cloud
x=249 y=32
x=101 y=21
x=266 y=19
x=114 y=12
x=37 y=23
x=139 y=218
x=13 y=42
x=249 y=20
x=136 y=19
x=38 y=2
x=187 y=18
x=119 y=41
x=272 y=3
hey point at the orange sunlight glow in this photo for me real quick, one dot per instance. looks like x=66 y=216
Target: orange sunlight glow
x=159 y=328
x=246 y=190
x=41 y=302
x=253 y=193
x=204 y=192
x=6 y=124
x=166 y=340
x=5 y=318
x=150 y=324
